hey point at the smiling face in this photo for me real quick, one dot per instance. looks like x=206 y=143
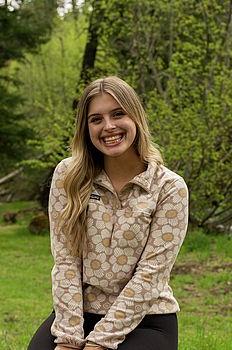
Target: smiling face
x=111 y=130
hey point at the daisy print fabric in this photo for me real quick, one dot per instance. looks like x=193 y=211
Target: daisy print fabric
x=133 y=239
x=66 y=273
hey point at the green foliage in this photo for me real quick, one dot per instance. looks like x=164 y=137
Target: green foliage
x=24 y=28
x=21 y=30
x=12 y=130
x=48 y=82
x=196 y=118
x=178 y=57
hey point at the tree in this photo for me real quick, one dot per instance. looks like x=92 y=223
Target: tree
x=12 y=132
x=94 y=31
x=178 y=56
x=48 y=91
x=22 y=29
x=25 y=28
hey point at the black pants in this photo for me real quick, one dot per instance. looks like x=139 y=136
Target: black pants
x=155 y=332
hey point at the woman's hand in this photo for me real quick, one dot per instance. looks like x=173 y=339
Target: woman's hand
x=87 y=347
x=63 y=347
x=90 y=347
x=93 y=346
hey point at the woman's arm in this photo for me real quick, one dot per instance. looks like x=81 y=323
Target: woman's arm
x=167 y=232
x=66 y=273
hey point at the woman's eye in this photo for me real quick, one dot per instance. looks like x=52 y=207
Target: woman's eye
x=119 y=114
x=95 y=120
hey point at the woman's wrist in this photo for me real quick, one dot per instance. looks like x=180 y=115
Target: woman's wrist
x=67 y=347
x=90 y=344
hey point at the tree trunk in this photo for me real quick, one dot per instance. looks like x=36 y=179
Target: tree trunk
x=95 y=24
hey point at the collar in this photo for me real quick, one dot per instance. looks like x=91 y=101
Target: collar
x=143 y=179
x=103 y=180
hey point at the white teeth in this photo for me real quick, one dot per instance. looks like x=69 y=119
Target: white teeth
x=112 y=139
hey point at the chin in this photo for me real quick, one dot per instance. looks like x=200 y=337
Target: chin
x=116 y=154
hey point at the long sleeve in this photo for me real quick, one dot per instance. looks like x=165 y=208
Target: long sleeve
x=150 y=279
x=66 y=273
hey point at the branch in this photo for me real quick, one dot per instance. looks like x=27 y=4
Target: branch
x=10 y=176
x=207 y=217
x=223 y=211
x=224 y=220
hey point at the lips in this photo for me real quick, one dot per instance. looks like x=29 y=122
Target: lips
x=113 y=140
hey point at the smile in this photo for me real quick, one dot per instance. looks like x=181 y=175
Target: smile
x=113 y=140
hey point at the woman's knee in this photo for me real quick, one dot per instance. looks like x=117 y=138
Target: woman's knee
x=43 y=339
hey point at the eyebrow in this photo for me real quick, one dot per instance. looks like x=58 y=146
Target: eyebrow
x=113 y=110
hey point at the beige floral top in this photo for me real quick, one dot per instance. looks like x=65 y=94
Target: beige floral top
x=132 y=242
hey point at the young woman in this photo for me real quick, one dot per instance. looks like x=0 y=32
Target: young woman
x=118 y=218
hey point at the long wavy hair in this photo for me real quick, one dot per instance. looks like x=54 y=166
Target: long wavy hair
x=87 y=161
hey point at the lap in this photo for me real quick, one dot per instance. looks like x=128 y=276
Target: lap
x=43 y=339
x=155 y=332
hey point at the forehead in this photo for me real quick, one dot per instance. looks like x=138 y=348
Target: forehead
x=102 y=103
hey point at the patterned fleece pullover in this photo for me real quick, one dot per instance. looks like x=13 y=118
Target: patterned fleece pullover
x=133 y=239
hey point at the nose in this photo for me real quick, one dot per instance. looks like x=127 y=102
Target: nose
x=109 y=124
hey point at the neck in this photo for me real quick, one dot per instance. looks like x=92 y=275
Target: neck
x=123 y=168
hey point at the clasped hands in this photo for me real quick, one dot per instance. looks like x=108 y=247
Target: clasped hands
x=90 y=347
x=86 y=347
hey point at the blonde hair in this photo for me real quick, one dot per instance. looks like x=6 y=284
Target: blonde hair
x=87 y=161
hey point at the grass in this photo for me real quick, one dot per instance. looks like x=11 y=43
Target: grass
x=201 y=281
x=25 y=295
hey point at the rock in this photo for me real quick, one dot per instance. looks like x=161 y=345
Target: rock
x=10 y=217
x=39 y=224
